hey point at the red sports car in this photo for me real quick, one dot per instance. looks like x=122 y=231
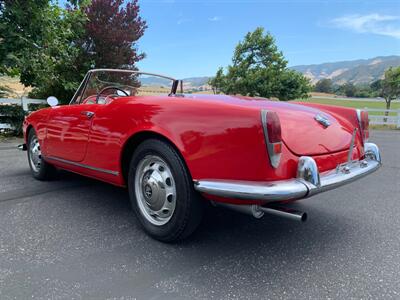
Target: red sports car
x=173 y=150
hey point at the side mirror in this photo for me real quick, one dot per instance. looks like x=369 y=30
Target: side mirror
x=52 y=101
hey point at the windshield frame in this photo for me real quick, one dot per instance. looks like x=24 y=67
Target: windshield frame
x=82 y=87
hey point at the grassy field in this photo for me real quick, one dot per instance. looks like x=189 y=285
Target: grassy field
x=355 y=104
x=359 y=104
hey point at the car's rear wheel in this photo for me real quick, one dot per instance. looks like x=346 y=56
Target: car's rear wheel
x=161 y=192
x=40 y=169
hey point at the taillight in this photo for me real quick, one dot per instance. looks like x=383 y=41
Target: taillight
x=362 y=116
x=272 y=133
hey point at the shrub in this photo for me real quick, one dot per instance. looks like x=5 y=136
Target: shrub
x=36 y=106
x=13 y=115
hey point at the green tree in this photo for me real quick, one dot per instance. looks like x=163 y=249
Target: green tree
x=390 y=88
x=259 y=69
x=376 y=87
x=217 y=82
x=51 y=48
x=55 y=69
x=22 y=25
x=324 y=86
x=38 y=43
x=349 y=89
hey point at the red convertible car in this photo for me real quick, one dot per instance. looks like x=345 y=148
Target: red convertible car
x=173 y=150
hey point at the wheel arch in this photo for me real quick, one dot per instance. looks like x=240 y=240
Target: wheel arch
x=135 y=140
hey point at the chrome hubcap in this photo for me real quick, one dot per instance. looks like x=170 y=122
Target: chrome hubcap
x=35 y=155
x=155 y=190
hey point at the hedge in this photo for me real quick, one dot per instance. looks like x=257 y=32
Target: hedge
x=36 y=106
x=14 y=115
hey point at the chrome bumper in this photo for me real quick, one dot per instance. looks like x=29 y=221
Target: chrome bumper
x=307 y=183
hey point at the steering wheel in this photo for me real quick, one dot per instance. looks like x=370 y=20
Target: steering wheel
x=110 y=88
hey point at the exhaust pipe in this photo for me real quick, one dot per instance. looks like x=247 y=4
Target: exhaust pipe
x=258 y=211
x=285 y=212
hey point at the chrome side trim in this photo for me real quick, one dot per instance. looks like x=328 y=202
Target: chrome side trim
x=309 y=181
x=351 y=148
x=72 y=163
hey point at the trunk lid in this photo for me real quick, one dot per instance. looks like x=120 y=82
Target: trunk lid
x=301 y=132
x=304 y=135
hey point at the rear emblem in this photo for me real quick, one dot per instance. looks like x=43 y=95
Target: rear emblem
x=324 y=121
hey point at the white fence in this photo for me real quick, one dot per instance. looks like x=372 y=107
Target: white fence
x=379 y=119
x=22 y=101
x=393 y=117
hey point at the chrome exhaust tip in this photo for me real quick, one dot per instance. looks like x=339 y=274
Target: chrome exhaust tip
x=285 y=212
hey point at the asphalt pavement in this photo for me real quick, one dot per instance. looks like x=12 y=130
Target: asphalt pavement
x=76 y=238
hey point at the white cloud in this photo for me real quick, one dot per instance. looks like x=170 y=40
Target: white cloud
x=215 y=19
x=387 y=25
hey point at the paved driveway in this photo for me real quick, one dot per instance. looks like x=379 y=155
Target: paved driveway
x=78 y=238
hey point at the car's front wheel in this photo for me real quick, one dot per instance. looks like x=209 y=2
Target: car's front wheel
x=161 y=192
x=40 y=169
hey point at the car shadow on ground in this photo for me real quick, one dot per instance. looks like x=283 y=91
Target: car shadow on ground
x=223 y=231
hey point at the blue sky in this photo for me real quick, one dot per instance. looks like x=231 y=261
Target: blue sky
x=190 y=38
x=194 y=37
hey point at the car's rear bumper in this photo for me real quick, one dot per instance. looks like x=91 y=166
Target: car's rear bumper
x=307 y=183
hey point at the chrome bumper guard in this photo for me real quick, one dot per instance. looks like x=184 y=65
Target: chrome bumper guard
x=307 y=183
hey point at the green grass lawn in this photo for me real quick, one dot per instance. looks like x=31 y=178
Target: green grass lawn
x=355 y=104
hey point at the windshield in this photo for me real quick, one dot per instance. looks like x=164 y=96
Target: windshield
x=101 y=85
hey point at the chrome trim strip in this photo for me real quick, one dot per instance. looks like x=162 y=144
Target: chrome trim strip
x=351 y=148
x=132 y=71
x=82 y=165
x=305 y=185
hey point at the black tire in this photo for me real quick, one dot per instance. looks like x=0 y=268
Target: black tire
x=46 y=171
x=188 y=210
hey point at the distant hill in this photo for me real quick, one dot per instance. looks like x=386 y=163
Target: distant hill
x=355 y=71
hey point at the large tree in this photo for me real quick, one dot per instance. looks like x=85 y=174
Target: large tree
x=112 y=32
x=259 y=69
x=22 y=26
x=51 y=48
x=390 y=85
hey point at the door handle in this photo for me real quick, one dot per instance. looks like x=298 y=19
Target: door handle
x=88 y=114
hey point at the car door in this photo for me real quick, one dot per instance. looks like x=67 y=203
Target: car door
x=68 y=131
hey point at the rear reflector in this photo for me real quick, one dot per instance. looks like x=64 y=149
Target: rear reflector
x=277 y=147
